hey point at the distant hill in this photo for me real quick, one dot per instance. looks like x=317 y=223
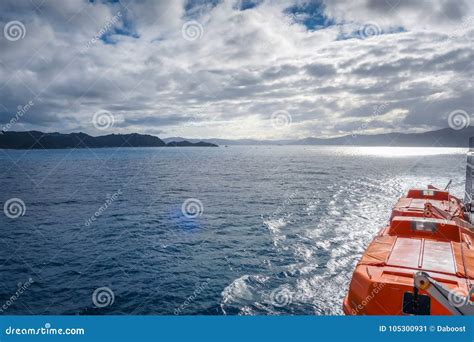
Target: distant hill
x=40 y=140
x=446 y=137
x=220 y=142
x=188 y=143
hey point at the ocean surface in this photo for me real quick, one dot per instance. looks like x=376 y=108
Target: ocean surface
x=248 y=230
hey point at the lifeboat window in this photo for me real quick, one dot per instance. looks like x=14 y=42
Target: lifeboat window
x=424 y=226
x=428 y=193
x=416 y=305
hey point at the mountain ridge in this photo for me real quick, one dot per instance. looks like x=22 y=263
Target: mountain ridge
x=445 y=137
x=55 y=140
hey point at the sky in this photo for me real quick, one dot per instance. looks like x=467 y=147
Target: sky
x=233 y=69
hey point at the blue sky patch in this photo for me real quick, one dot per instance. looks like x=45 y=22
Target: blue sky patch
x=126 y=29
x=310 y=14
x=248 y=4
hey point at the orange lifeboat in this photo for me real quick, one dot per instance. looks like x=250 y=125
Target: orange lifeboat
x=421 y=263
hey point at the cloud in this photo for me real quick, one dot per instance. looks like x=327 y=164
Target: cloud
x=439 y=15
x=335 y=66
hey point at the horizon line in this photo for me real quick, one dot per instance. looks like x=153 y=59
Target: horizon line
x=237 y=139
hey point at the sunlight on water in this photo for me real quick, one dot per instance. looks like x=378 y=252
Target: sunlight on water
x=397 y=152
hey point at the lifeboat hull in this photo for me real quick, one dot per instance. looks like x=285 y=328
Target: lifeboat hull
x=426 y=232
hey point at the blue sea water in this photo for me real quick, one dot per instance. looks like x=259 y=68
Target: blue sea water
x=250 y=230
